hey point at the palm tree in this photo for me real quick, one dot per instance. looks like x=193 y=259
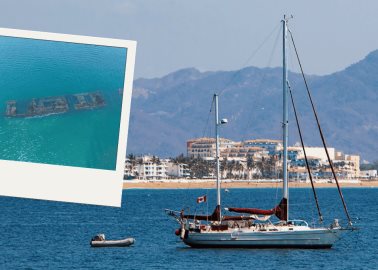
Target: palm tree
x=140 y=163
x=200 y=168
x=132 y=163
x=239 y=169
x=158 y=161
x=250 y=166
x=271 y=166
x=230 y=168
x=223 y=167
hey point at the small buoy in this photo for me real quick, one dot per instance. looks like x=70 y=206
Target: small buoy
x=177 y=232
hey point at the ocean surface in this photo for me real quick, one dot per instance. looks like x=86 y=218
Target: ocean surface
x=37 y=69
x=50 y=235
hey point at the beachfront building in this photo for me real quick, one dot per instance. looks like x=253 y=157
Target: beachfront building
x=272 y=146
x=266 y=150
x=151 y=168
x=205 y=148
x=130 y=170
x=298 y=173
x=296 y=152
x=368 y=174
x=178 y=170
x=346 y=166
x=349 y=165
x=201 y=148
x=241 y=151
x=313 y=162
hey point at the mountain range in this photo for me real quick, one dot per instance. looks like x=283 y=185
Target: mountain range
x=167 y=111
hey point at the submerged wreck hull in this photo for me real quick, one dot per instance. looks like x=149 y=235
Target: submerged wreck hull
x=310 y=238
x=113 y=243
x=45 y=106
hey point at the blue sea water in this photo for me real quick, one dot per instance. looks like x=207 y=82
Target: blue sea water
x=38 y=68
x=50 y=235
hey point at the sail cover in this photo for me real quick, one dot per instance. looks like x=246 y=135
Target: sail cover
x=280 y=210
x=213 y=217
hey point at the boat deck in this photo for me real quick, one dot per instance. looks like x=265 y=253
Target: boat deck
x=257 y=227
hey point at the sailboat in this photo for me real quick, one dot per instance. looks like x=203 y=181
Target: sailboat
x=254 y=228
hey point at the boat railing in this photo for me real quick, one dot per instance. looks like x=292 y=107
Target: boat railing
x=297 y=222
x=294 y=222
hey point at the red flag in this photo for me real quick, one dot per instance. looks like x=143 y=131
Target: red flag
x=201 y=199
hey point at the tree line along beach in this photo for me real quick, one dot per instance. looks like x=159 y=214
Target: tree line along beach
x=206 y=184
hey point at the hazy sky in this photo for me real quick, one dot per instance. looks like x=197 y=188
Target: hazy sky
x=210 y=34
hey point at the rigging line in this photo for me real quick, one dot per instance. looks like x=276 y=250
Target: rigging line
x=275 y=202
x=304 y=152
x=251 y=57
x=208 y=118
x=321 y=133
x=274 y=48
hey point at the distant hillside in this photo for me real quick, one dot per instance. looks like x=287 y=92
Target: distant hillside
x=168 y=111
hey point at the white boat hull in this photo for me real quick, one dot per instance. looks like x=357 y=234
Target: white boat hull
x=311 y=238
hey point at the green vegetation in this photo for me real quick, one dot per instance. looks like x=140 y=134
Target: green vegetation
x=231 y=169
x=370 y=166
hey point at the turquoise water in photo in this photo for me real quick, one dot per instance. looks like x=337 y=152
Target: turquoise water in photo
x=36 y=69
x=51 y=235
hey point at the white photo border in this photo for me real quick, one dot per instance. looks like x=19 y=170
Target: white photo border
x=67 y=183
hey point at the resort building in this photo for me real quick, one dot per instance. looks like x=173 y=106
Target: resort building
x=151 y=168
x=346 y=166
x=240 y=150
x=298 y=173
x=179 y=170
x=272 y=146
x=313 y=162
x=350 y=165
x=296 y=152
x=368 y=174
x=205 y=148
x=259 y=158
x=320 y=153
x=130 y=171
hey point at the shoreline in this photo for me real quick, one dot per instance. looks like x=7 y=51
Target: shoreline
x=208 y=184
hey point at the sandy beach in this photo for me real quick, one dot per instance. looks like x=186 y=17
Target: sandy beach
x=195 y=184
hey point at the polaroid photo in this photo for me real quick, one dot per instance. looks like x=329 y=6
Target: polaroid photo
x=64 y=115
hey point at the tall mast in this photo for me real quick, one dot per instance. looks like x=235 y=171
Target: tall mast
x=285 y=122
x=217 y=155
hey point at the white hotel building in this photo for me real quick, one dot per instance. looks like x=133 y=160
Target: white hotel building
x=347 y=166
x=150 y=169
x=153 y=168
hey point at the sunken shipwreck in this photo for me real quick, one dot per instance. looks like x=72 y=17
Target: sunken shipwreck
x=54 y=105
